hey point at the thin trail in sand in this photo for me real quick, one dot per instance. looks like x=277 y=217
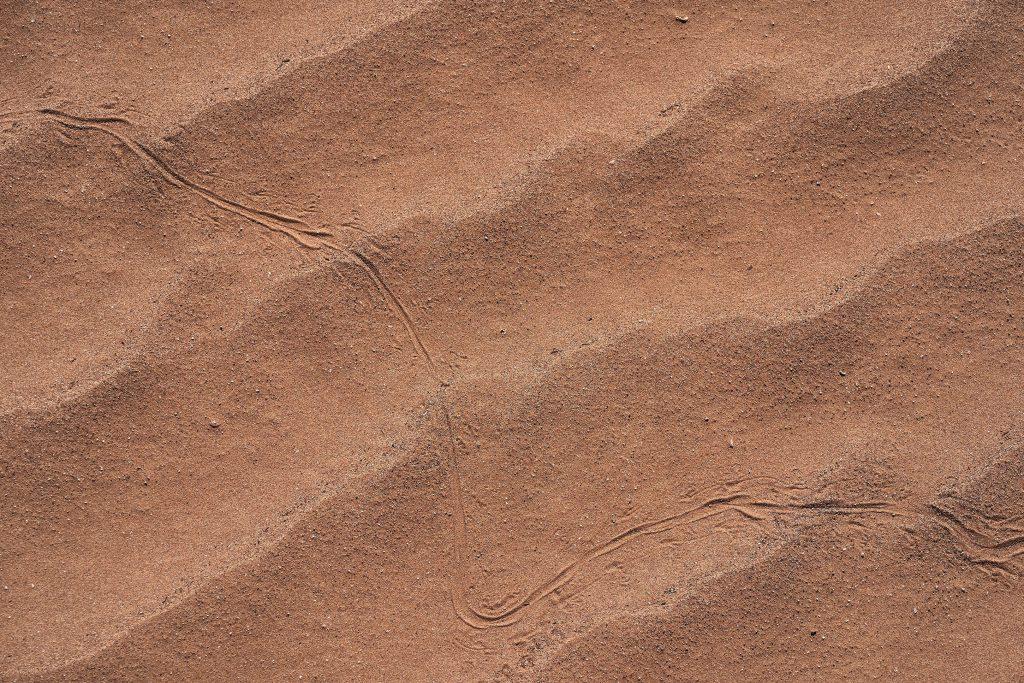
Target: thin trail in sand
x=294 y=228
x=757 y=499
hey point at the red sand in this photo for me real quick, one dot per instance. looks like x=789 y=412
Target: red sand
x=528 y=341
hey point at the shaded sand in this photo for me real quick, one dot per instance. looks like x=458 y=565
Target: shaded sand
x=521 y=341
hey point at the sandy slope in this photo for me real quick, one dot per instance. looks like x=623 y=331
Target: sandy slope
x=511 y=341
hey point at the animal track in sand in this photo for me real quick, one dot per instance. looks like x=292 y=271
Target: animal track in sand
x=294 y=228
x=982 y=541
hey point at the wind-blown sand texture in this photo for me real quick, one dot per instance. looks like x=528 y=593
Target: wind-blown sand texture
x=543 y=340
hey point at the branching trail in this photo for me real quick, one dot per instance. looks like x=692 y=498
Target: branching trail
x=993 y=544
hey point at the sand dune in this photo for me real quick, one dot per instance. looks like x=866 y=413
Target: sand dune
x=511 y=341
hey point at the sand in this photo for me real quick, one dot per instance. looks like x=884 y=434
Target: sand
x=511 y=341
